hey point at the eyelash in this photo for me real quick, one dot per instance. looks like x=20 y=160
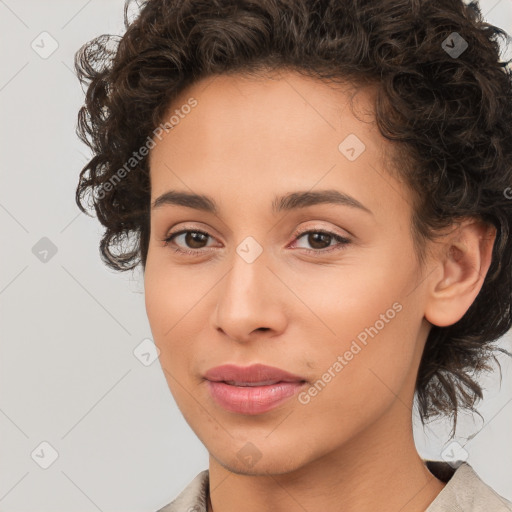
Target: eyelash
x=342 y=241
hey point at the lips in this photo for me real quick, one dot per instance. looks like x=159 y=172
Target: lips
x=251 y=390
x=254 y=375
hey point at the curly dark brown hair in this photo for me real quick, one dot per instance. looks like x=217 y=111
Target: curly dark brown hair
x=448 y=107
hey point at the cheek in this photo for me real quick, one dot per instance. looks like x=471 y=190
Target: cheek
x=176 y=307
x=164 y=307
x=172 y=296
x=164 y=311
x=160 y=305
x=373 y=326
x=357 y=382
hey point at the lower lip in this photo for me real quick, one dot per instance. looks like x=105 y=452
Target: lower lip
x=252 y=399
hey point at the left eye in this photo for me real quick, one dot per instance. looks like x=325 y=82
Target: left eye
x=315 y=237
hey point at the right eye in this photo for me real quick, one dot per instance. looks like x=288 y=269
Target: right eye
x=190 y=237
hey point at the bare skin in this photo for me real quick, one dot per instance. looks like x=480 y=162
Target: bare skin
x=350 y=447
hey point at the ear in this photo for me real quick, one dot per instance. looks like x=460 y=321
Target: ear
x=463 y=260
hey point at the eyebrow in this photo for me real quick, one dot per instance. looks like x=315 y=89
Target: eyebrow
x=291 y=201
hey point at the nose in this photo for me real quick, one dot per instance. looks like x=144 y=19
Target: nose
x=250 y=301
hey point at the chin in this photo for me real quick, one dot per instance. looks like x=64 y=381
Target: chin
x=273 y=465
x=260 y=456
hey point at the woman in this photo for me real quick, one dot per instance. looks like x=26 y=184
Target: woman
x=320 y=197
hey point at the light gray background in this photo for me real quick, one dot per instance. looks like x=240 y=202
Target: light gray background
x=69 y=326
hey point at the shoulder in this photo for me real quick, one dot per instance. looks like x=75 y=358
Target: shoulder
x=193 y=497
x=465 y=491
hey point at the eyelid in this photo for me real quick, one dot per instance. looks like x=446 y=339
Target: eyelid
x=187 y=228
x=320 y=229
x=342 y=241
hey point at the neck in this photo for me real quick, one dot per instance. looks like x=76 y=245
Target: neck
x=380 y=469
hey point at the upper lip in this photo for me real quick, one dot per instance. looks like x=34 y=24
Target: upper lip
x=256 y=373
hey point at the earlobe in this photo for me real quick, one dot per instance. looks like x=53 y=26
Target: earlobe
x=465 y=258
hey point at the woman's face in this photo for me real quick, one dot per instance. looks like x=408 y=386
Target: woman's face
x=328 y=291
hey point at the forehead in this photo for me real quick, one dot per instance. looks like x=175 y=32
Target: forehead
x=271 y=134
